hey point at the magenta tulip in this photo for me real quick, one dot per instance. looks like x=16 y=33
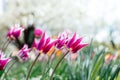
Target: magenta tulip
x=74 y=44
x=38 y=32
x=23 y=54
x=3 y=61
x=45 y=44
x=35 y=44
x=61 y=40
x=14 y=32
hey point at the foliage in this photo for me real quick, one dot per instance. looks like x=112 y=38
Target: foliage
x=85 y=67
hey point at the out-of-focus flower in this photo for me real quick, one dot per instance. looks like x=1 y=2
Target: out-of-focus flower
x=43 y=57
x=35 y=44
x=54 y=37
x=92 y=55
x=14 y=32
x=83 y=57
x=45 y=44
x=61 y=39
x=3 y=61
x=58 y=53
x=74 y=56
x=74 y=44
x=37 y=33
x=23 y=53
x=118 y=54
x=51 y=51
x=109 y=57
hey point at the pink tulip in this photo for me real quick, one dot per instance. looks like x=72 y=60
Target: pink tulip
x=23 y=53
x=109 y=57
x=35 y=44
x=14 y=32
x=38 y=32
x=74 y=56
x=45 y=44
x=61 y=40
x=3 y=61
x=74 y=44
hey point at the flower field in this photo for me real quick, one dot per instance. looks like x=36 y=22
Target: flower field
x=64 y=57
x=59 y=40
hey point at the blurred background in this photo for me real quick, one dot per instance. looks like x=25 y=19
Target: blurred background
x=99 y=19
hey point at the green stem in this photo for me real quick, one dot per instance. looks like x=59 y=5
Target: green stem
x=32 y=66
x=44 y=70
x=5 y=47
x=58 y=64
x=4 y=44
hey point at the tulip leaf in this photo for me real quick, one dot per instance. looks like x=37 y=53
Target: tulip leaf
x=1 y=72
x=97 y=67
x=115 y=74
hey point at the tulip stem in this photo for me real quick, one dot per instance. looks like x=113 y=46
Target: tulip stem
x=5 y=74
x=32 y=66
x=5 y=46
x=44 y=70
x=58 y=64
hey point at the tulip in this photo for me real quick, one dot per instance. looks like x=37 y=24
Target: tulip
x=58 y=53
x=61 y=40
x=14 y=32
x=35 y=44
x=74 y=56
x=109 y=57
x=74 y=44
x=45 y=44
x=3 y=61
x=38 y=32
x=23 y=53
x=51 y=51
x=118 y=53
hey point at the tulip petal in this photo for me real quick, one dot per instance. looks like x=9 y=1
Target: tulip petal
x=37 y=32
x=60 y=43
x=35 y=44
x=70 y=42
x=3 y=63
x=48 y=47
x=16 y=34
x=47 y=40
x=23 y=53
x=76 y=43
x=14 y=31
x=42 y=42
x=80 y=46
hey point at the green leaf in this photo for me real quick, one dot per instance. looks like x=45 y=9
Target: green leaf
x=1 y=72
x=97 y=67
x=105 y=71
x=115 y=73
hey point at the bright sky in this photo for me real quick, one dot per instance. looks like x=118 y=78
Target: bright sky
x=1 y=7
x=109 y=10
x=96 y=10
